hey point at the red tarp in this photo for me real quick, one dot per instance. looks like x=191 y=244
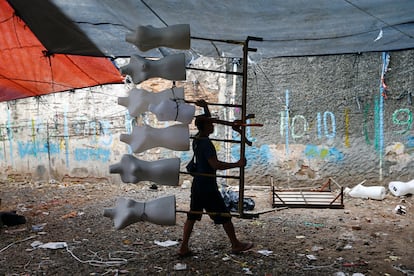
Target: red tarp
x=26 y=70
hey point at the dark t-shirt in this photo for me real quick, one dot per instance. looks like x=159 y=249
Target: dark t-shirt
x=204 y=150
x=204 y=191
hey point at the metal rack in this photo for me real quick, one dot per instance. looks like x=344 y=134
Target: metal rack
x=244 y=116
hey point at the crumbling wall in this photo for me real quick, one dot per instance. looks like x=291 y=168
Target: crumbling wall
x=327 y=117
x=74 y=136
x=323 y=117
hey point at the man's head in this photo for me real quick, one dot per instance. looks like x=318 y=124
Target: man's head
x=204 y=124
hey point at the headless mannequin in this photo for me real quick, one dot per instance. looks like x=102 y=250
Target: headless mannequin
x=373 y=192
x=134 y=170
x=159 y=211
x=173 y=110
x=399 y=188
x=139 y=100
x=148 y=37
x=170 y=67
x=142 y=138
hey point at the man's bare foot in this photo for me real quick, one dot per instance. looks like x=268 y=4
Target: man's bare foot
x=243 y=246
x=183 y=253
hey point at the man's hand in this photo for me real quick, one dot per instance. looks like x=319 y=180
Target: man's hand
x=201 y=103
x=204 y=105
x=242 y=162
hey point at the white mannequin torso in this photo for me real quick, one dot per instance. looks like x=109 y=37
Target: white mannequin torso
x=142 y=138
x=171 y=67
x=134 y=170
x=173 y=110
x=138 y=100
x=148 y=37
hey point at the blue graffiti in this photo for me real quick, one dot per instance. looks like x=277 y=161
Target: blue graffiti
x=33 y=149
x=328 y=154
x=107 y=138
x=410 y=141
x=257 y=155
x=98 y=154
x=186 y=156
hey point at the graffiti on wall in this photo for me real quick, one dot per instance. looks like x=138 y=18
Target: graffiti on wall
x=295 y=127
x=52 y=138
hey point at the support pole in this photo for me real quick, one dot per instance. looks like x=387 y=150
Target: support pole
x=243 y=129
x=246 y=50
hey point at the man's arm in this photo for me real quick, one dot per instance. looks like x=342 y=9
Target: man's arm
x=220 y=165
x=204 y=105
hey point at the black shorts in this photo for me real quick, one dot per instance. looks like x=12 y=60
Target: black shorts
x=211 y=201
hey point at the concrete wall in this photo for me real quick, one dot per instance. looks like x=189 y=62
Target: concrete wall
x=74 y=136
x=336 y=124
x=61 y=135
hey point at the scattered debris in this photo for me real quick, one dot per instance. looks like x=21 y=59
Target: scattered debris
x=72 y=214
x=49 y=245
x=38 y=227
x=11 y=218
x=231 y=199
x=394 y=258
x=400 y=210
x=186 y=184
x=16 y=242
x=356 y=227
x=351 y=264
x=316 y=248
x=316 y=225
x=311 y=257
x=166 y=243
x=180 y=266
x=403 y=270
x=265 y=252
x=247 y=271
x=348 y=246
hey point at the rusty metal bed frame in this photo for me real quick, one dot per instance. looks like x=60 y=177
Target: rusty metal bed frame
x=323 y=197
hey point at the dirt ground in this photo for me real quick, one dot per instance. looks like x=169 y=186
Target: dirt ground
x=365 y=238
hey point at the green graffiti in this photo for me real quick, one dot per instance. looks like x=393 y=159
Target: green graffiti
x=376 y=123
x=407 y=114
x=324 y=153
x=366 y=111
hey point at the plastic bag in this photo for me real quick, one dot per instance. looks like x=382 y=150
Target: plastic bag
x=231 y=199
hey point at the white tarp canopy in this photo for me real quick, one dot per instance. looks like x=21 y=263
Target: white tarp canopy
x=288 y=28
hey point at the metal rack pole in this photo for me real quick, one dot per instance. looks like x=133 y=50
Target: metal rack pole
x=246 y=50
x=243 y=129
x=243 y=105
